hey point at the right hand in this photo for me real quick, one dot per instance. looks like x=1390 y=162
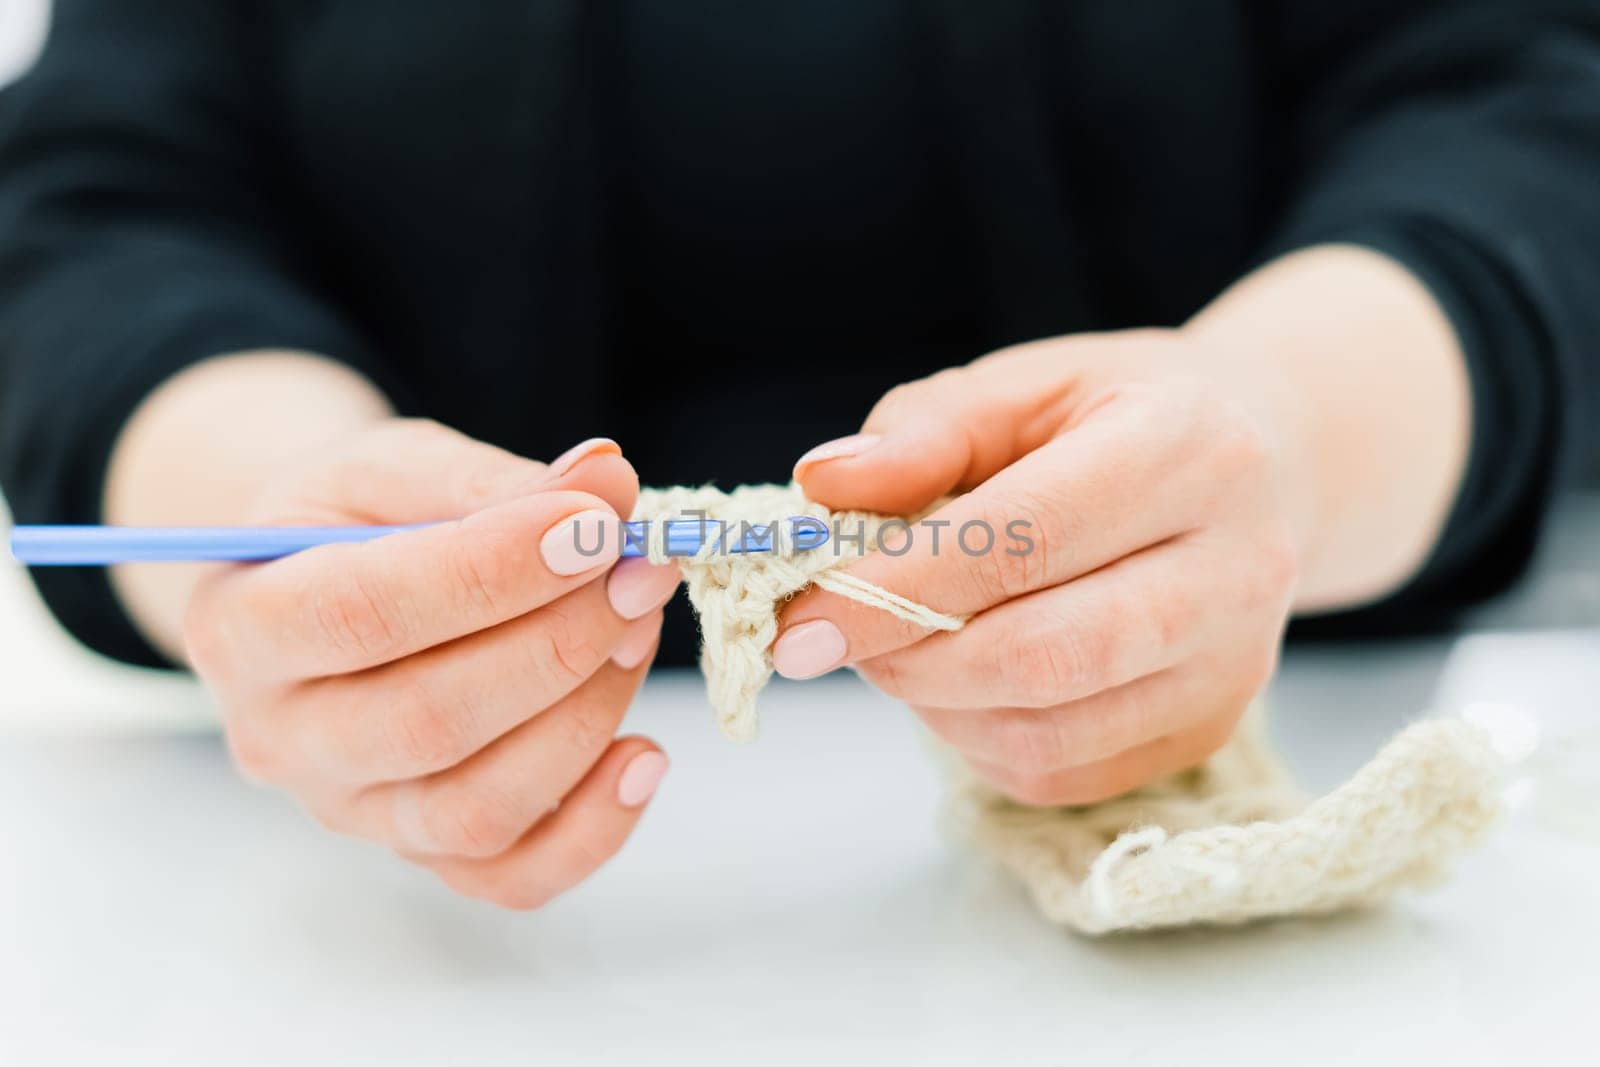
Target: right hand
x=452 y=692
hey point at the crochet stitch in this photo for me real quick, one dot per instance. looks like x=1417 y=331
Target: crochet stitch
x=1227 y=842
x=737 y=595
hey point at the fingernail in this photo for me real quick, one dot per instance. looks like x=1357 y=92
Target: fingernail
x=581 y=543
x=640 y=778
x=840 y=448
x=581 y=451
x=637 y=641
x=810 y=649
x=637 y=587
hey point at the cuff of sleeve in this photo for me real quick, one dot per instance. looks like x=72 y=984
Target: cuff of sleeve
x=1493 y=525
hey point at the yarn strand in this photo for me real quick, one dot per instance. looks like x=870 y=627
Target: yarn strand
x=864 y=592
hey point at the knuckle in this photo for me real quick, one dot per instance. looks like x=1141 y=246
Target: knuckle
x=482 y=482
x=587 y=730
x=1172 y=403
x=363 y=461
x=1006 y=575
x=1049 y=669
x=1180 y=415
x=898 y=399
x=477 y=822
x=561 y=657
x=1101 y=732
x=1277 y=567
x=909 y=397
x=342 y=481
x=252 y=755
x=492 y=476
x=1174 y=619
x=1027 y=743
x=420 y=430
x=426 y=732
x=885 y=675
x=1238 y=446
x=483 y=577
x=353 y=617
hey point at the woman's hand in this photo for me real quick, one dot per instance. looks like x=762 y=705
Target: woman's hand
x=1125 y=641
x=452 y=692
x=1302 y=439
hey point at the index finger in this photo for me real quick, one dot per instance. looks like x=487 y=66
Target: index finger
x=1081 y=501
x=347 y=607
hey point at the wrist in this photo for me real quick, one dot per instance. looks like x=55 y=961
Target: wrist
x=1278 y=407
x=199 y=448
x=1359 y=375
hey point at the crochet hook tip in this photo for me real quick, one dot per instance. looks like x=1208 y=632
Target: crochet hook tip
x=690 y=537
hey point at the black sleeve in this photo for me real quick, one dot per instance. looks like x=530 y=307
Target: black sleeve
x=137 y=236
x=1462 y=138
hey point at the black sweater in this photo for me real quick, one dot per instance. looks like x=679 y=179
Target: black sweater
x=540 y=221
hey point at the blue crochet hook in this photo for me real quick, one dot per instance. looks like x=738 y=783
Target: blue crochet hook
x=83 y=546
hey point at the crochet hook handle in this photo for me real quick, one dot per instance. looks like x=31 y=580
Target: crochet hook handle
x=78 y=546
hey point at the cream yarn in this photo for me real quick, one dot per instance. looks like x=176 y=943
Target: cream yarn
x=737 y=595
x=1234 y=840
x=1227 y=842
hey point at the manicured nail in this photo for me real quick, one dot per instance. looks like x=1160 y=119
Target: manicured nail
x=810 y=649
x=637 y=587
x=594 y=446
x=640 y=778
x=637 y=641
x=841 y=448
x=582 y=542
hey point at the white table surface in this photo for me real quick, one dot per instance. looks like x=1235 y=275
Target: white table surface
x=785 y=900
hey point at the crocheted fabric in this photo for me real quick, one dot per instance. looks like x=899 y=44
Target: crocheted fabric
x=1235 y=840
x=1227 y=842
x=737 y=595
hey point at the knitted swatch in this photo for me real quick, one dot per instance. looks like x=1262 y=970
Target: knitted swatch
x=1226 y=842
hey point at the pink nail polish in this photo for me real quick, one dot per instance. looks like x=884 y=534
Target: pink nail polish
x=637 y=641
x=810 y=649
x=637 y=587
x=581 y=542
x=840 y=448
x=640 y=778
x=579 y=452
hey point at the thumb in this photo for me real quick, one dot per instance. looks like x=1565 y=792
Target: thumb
x=415 y=470
x=941 y=434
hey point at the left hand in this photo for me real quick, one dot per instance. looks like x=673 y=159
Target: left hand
x=1126 y=643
